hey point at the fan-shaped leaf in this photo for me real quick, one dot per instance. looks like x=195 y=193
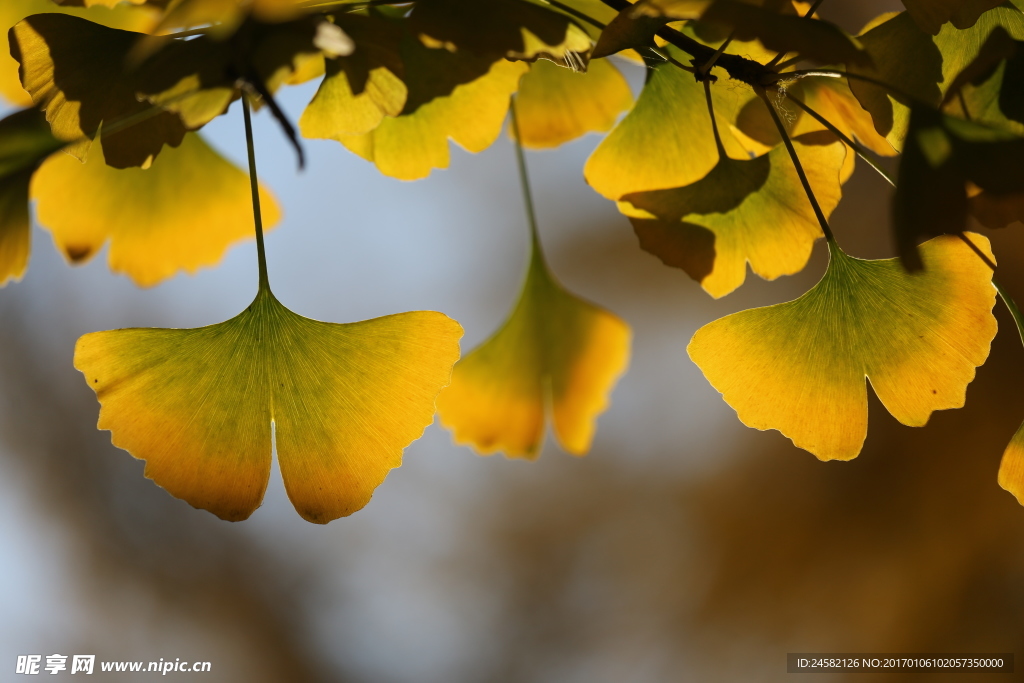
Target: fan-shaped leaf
x=744 y=210
x=556 y=105
x=409 y=146
x=180 y=214
x=799 y=367
x=930 y=15
x=555 y=354
x=343 y=402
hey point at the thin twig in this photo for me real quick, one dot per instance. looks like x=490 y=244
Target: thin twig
x=261 y=253
x=714 y=122
x=706 y=69
x=822 y=221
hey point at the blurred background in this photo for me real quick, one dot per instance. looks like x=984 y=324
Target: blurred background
x=683 y=547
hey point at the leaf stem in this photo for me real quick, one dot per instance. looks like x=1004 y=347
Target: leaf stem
x=822 y=221
x=524 y=180
x=861 y=151
x=714 y=122
x=708 y=65
x=836 y=73
x=578 y=14
x=261 y=253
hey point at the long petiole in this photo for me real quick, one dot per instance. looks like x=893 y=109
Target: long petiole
x=524 y=179
x=819 y=214
x=714 y=122
x=261 y=253
x=861 y=151
x=835 y=73
x=706 y=68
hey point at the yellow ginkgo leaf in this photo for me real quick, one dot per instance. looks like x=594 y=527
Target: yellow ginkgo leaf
x=744 y=211
x=180 y=214
x=25 y=141
x=205 y=407
x=12 y=11
x=642 y=153
x=336 y=111
x=555 y=353
x=799 y=367
x=1011 y=468
x=409 y=146
x=556 y=105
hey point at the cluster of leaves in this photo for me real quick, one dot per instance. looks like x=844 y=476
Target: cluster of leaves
x=735 y=152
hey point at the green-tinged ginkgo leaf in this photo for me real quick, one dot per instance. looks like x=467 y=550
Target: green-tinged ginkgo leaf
x=555 y=104
x=744 y=211
x=990 y=89
x=513 y=29
x=800 y=367
x=25 y=141
x=921 y=66
x=644 y=152
x=180 y=214
x=125 y=17
x=556 y=355
x=930 y=15
x=205 y=407
x=75 y=71
x=409 y=146
x=941 y=157
x=807 y=37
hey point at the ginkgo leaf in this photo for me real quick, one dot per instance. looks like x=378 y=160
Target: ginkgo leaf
x=513 y=29
x=409 y=146
x=180 y=214
x=800 y=367
x=643 y=153
x=744 y=211
x=555 y=104
x=336 y=110
x=921 y=66
x=25 y=141
x=126 y=17
x=75 y=71
x=930 y=15
x=1011 y=467
x=810 y=38
x=556 y=355
x=224 y=16
x=941 y=157
x=629 y=30
x=205 y=407
x=990 y=89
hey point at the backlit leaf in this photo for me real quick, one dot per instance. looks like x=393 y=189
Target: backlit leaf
x=556 y=355
x=920 y=65
x=25 y=141
x=204 y=407
x=12 y=11
x=744 y=210
x=409 y=146
x=1011 y=468
x=665 y=140
x=180 y=214
x=555 y=104
x=930 y=15
x=800 y=367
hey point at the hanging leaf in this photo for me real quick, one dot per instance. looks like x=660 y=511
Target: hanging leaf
x=409 y=146
x=631 y=29
x=556 y=354
x=921 y=66
x=496 y=29
x=556 y=105
x=125 y=17
x=799 y=367
x=942 y=155
x=643 y=153
x=205 y=407
x=930 y=15
x=744 y=211
x=25 y=141
x=180 y=214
